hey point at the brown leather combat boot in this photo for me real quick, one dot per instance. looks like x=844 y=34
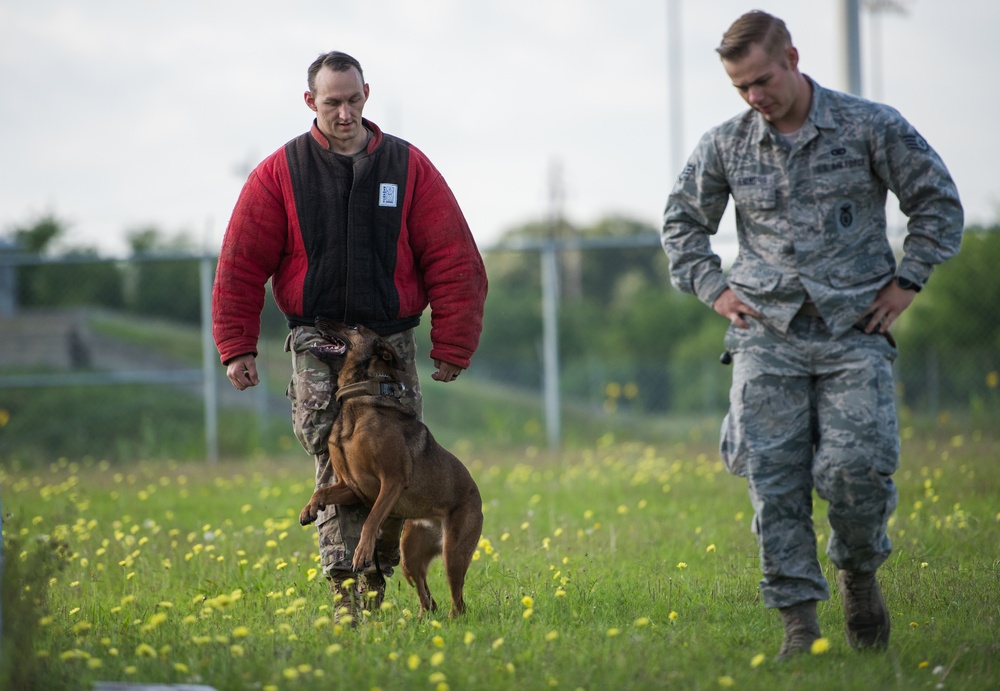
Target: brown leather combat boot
x=801 y=628
x=866 y=619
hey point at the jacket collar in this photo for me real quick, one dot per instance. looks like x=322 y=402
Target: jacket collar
x=820 y=115
x=373 y=143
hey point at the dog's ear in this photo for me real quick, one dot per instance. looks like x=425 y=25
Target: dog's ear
x=388 y=354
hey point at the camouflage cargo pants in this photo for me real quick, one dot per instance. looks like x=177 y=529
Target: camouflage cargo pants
x=809 y=411
x=313 y=412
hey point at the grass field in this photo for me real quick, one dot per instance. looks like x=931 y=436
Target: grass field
x=617 y=566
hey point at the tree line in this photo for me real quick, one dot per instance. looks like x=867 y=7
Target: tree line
x=627 y=338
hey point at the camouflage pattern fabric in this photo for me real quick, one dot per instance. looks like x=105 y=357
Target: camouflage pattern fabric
x=807 y=410
x=810 y=219
x=314 y=408
x=811 y=403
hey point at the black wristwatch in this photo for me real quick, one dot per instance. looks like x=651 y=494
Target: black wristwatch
x=907 y=284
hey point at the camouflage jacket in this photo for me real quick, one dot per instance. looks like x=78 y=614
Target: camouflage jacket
x=810 y=219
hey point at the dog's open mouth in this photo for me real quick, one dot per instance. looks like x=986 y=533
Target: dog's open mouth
x=334 y=347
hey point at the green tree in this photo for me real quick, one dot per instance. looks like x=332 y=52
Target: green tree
x=625 y=324
x=949 y=339
x=73 y=278
x=169 y=287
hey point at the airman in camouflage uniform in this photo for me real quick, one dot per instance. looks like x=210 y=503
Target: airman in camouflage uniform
x=314 y=408
x=811 y=296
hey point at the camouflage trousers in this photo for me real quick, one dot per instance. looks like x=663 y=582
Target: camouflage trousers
x=314 y=408
x=808 y=411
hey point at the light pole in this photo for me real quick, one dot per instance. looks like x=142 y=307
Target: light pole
x=875 y=10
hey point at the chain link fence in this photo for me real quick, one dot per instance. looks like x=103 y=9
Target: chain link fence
x=114 y=358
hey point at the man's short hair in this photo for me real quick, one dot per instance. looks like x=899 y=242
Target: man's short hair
x=754 y=28
x=336 y=61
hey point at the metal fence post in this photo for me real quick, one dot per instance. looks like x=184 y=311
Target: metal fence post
x=550 y=342
x=208 y=360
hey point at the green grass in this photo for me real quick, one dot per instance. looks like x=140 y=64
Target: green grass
x=637 y=563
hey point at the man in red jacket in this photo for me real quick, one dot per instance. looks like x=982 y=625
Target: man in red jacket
x=355 y=225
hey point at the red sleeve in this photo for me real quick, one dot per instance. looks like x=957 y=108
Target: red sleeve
x=251 y=252
x=449 y=263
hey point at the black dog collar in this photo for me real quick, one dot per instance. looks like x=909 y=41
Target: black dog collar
x=372 y=388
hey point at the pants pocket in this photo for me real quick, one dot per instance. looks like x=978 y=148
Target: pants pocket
x=732 y=446
x=310 y=392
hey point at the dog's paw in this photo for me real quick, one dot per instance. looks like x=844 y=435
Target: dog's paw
x=362 y=558
x=309 y=513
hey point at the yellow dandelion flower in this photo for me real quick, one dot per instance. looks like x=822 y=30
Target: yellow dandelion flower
x=438 y=641
x=145 y=650
x=413 y=662
x=924 y=664
x=757 y=660
x=334 y=648
x=682 y=565
x=527 y=601
x=436 y=659
x=710 y=548
x=560 y=592
x=469 y=637
x=95 y=663
x=613 y=632
x=551 y=636
x=437 y=677
x=236 y=651
x=672 y=616
x=819 y=646
x=641 y=621
x=527 y=613
x=241 y=632
x=497 y=643
x=181 y=668
x=321 y=622
x=726 y=681
x=290 y=673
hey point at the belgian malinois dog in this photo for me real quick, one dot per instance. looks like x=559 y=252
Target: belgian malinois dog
x=387 y=459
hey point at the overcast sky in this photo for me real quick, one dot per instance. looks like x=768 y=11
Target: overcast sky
x=117 y=114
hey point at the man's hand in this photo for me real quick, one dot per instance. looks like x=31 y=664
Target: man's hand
x=734 y=309
x=888 y=305
x=242 y=371
x=446 y=371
